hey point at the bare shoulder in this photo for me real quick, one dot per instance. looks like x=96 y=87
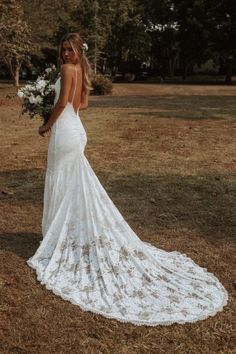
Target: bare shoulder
x=66 y=69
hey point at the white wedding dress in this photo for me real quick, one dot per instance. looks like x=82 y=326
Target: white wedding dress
x=91 y=257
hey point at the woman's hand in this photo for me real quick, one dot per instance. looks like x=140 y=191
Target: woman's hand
x=43 y=129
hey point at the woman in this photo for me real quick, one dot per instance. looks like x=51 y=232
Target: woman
x=89 y=255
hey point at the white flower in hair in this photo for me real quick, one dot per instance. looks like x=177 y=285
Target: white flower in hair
x=85 y=47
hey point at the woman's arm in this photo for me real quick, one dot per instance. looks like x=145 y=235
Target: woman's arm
x=84 y=100
x=66 y=79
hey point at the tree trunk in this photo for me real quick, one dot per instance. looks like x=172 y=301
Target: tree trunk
x=95 y=36
x=171 y=67
x=229 y=71
x=95 y=58
x=185 y=71
x=17 y=75
x=14 y=70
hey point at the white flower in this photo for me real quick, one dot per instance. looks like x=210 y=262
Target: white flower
x=38 y=99
x=29 y=87
x=85 y=47
x=41 y=84
x=49 y=89
x=20 y=94
x=32 y=99
x=39 y=94
x=50 y=69
x=52 y=87
x=35 y=100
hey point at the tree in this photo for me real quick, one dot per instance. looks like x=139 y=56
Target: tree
x=158 y=16
x=15 y=37
x=206 y=29
x=192 y=31
x=52 y=19
x=192 y=17
x=51 y=15
x=94 y=22
x=223 y=33
x=128 y=43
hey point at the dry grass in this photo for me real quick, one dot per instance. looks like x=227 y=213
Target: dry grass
x=166 y=155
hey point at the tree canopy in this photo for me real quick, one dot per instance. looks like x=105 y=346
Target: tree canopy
x=15 y=37
x=167 y=37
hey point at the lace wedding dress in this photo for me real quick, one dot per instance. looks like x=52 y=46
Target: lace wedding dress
x=91 y=257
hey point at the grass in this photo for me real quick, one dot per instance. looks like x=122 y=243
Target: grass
x=166 y=155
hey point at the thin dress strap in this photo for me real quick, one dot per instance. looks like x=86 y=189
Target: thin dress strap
x=75 y=87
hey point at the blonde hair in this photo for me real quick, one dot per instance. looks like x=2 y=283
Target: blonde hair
x=76 y=43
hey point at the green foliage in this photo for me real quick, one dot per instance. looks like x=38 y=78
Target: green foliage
x=124 y=35
x=48 y=17
x=16 y=45
x=190 y=32
x=161 y=26
x=101 y=85
x=128 y=41
x=223 y=33
x=94 y=21
x=193 y=34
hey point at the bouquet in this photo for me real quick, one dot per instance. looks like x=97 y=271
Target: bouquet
x=38 y=96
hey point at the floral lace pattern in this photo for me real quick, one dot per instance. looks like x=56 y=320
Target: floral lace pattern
x=91 y=257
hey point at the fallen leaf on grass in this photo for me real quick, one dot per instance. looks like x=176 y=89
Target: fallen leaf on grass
x=5 y=193
x=10 y=281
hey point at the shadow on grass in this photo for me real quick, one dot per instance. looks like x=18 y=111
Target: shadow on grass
x=22 y=244
x=22 y=185
x=189 y=115
x=181 y=107
x=204 y=203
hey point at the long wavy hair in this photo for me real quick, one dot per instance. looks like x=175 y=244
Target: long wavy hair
x=76 y=43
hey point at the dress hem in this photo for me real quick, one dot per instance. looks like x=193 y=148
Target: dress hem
x=136 y=323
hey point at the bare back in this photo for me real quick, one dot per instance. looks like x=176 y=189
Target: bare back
x=76 y=88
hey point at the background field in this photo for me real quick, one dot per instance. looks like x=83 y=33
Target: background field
x=166 y=155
